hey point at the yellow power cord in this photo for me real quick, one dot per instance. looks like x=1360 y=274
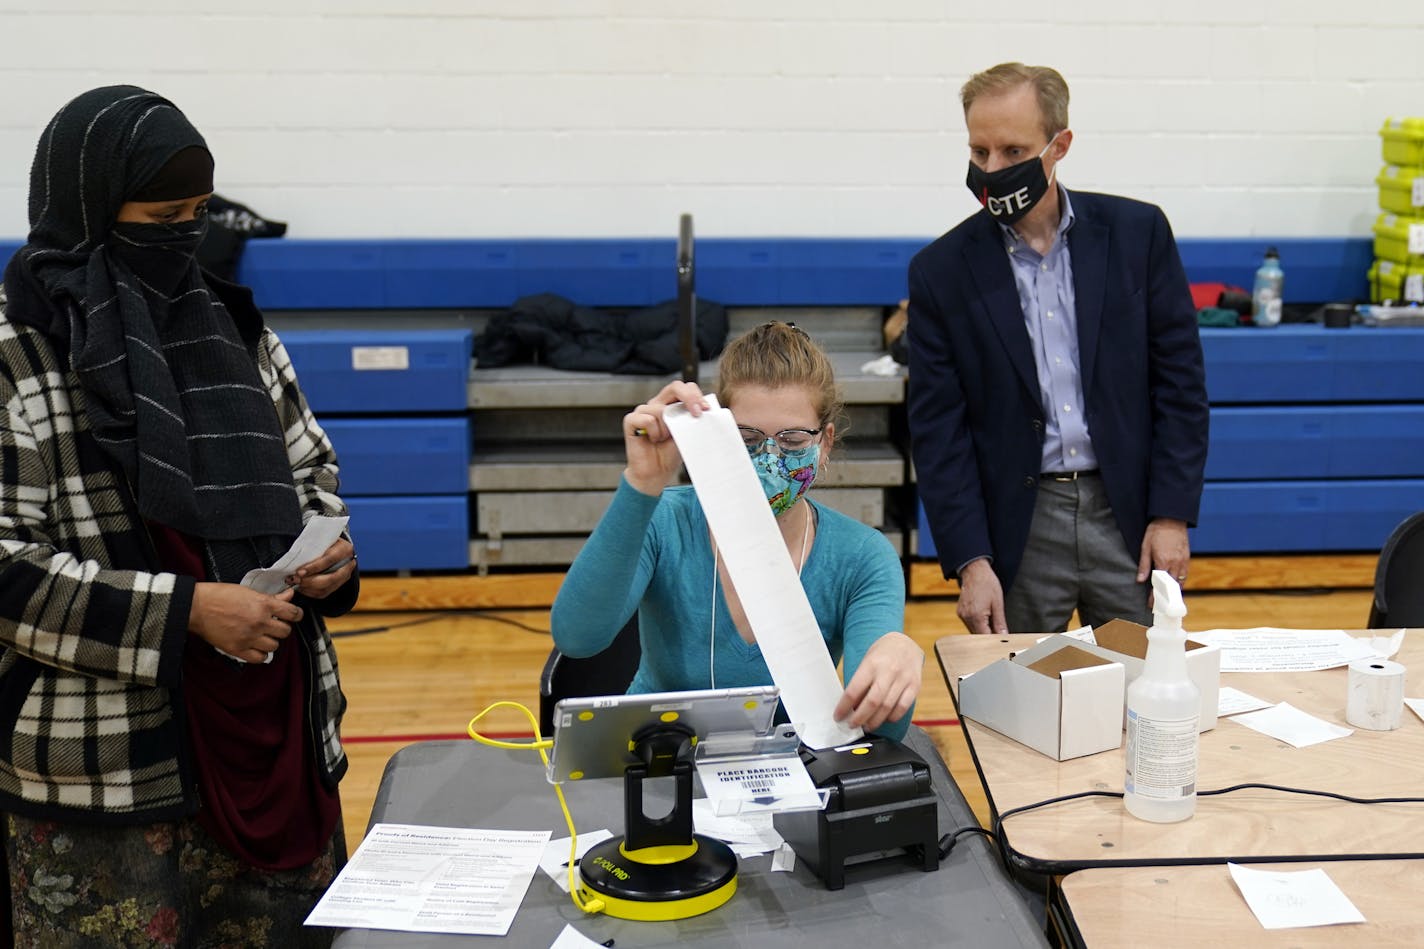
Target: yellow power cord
x=540 y=744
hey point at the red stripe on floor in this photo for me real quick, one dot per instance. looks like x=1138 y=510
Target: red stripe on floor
x=515 y=736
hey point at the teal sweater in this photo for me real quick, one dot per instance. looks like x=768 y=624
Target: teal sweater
x=652 y=555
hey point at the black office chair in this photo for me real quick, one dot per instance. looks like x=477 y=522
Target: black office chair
x=609 y=672
x=1399 y=577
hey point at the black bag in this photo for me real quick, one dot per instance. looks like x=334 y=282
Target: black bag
x=229 y=226
x=551 y=330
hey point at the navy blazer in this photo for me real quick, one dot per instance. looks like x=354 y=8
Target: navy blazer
x=976 y=416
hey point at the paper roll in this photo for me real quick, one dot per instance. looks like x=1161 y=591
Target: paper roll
x=1375 y=699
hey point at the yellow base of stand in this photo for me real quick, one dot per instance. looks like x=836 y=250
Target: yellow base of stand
x=663 y=890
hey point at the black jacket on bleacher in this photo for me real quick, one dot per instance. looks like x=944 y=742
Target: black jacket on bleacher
x=550 y=330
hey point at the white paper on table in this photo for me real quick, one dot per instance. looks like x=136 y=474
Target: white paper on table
x=772 y=782
x=1294 y=898
x=571 y=938
x=1231 y=701
x=1416 y=706
x=783 y=860
x=319 y=533
x=748 y=833
x=760 y=567
x=555 y=858
x=1386 y=646
x=1289 y=724
x=414 y=878
x=1267 y=649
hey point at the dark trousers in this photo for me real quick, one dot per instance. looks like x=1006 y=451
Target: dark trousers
x=1075 y=559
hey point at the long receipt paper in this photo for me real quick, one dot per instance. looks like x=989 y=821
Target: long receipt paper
x=760 y=567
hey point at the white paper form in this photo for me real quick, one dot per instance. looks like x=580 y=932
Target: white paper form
x=421 y=879
x=1294 y=898
x=319 y=533
x=1266 y=649
x=1231 y=701
x=760 y=567
x=1289 y=724
x=555 y=859
x=571 y=938
x=748 y=833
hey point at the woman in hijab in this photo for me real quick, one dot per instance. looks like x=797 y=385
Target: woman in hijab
x=169 y=749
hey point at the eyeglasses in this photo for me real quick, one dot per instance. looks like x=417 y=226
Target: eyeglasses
x=790 y=441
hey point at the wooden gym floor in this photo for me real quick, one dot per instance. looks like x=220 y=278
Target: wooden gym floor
x=412 y=676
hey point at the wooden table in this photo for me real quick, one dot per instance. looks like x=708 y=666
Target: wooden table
x=1125 y=908
x=1249 y=825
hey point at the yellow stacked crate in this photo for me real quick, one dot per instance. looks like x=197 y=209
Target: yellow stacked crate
x=1398 y=270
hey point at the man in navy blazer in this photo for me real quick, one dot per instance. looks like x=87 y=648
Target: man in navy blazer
x=1057 y=401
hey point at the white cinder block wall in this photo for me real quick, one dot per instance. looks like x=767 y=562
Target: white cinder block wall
x=595 y=118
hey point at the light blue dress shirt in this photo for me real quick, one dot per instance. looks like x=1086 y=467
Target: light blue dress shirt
x=1045 y=285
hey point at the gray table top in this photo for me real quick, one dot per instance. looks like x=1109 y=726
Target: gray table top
x=967 y=902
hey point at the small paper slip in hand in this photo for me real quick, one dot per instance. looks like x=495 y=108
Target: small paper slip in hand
x=1294 y=898
x=319 y=533
x=1289 y=724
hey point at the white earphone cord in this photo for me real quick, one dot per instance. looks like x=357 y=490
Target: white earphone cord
x=716 y=558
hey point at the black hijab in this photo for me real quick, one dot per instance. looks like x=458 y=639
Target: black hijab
x=165 y=355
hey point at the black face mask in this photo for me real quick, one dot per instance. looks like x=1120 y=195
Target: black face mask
x=1010 y=193
x=158 y=254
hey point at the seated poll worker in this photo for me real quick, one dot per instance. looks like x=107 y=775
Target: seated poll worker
x=653 y=552
x=169 y=749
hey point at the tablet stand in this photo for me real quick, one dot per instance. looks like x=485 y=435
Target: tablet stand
x=659 y=869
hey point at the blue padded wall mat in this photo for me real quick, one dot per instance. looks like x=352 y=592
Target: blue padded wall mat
x=332 y=274
x=611 y=272
x=404 y=455
x=1308 y=363
x=411 y=533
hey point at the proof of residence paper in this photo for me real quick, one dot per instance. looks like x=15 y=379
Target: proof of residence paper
x=413 y=878
x=760 y=567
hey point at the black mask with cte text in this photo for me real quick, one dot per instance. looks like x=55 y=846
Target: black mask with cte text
x=1010 y=193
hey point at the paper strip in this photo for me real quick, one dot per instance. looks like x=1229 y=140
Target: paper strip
x=760 y=567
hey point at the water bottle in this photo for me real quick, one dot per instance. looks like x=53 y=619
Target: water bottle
x=1266 y=293
x=1163 y=709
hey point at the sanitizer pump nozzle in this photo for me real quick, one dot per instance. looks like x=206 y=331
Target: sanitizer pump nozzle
x=1163 y=707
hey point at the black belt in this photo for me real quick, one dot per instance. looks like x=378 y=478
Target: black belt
x=1065 y=475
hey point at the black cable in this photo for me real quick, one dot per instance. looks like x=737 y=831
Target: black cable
x=1227 y=790
x=482 y=614
x=947 y=842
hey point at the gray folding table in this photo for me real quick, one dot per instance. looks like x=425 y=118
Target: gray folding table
x=968 y=901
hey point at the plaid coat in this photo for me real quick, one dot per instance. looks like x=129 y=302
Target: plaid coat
x=92 y=633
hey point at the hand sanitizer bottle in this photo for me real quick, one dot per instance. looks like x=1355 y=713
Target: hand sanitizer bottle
x=1163 y=705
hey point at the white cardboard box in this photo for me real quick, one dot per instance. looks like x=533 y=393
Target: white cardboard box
x=1126 y=642
x=1055 y=697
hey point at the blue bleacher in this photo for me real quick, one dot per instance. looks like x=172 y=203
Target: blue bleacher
x=1317 y=435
